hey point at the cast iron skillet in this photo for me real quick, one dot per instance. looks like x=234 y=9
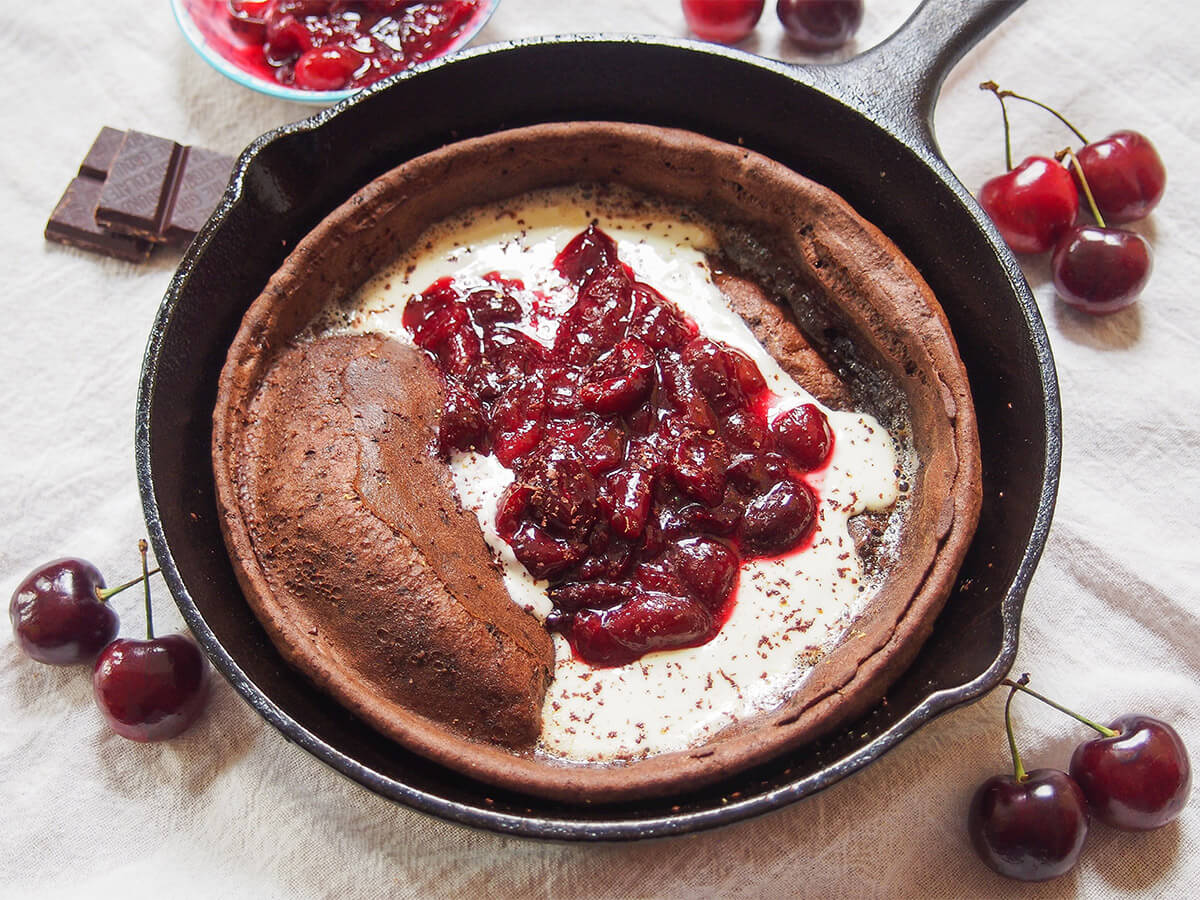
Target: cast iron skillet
x=863 y=128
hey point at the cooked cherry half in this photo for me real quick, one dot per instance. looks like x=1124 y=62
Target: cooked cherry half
x=645 y=467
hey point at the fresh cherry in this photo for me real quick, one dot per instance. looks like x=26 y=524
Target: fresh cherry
x=1031 y=828
x=1126 y=175
x=1137 y=778
x=820 y=25
x=60 y=614
x=724 y=21
x=1136 y=775
x=1028 y=825
x=1033 y=205
x=1096 y=268
x=1125 y=172
x=1100 y=270
x=154 y=689
x=150 y=690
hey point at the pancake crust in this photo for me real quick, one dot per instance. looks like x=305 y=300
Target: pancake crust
x=818 y=253
x=363 y=546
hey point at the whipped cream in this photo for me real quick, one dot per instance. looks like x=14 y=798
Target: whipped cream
x=789 y=611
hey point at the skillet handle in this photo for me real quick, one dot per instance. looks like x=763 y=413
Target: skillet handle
x=898 y=81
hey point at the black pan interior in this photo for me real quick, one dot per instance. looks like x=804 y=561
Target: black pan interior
x=289 y=180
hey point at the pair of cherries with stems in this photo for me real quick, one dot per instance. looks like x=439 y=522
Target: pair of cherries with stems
x=147 y=690
x=817 y=26
x=1098 y=268
x=1032 y=825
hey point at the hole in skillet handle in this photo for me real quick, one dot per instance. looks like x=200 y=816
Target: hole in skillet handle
x=973 y=642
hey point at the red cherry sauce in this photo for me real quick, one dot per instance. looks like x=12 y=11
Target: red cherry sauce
x=329 y=45
x=645 y=468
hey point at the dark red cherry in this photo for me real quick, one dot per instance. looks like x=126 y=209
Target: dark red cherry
x=1138 y=779
x=620 y=380
x=562 y=492
x=778 y=519
x=543 y=554
x=1126 y=175
x=804 y=435
x=724 y=21
x=58 y=614
x=697 y=464
x=651 y=621
x=820 y=25
x=1033 y=205
x=627 y=501
x=708 y=568
x=463 y=425
x=286 y=37
x=1101 y=270
x=574 y=596
x=1031 y=829
x=587 y=252
x=328 y=68
x=151 y=690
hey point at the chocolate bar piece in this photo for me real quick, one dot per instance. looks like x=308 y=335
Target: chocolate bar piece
x=205 y=176
x=73 y=221
x=104 y=150
x=161 y=191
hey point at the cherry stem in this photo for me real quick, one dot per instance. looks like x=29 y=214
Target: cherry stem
x=1018 y=769
x=1087 y=190
x=102 y=594
x=1020 y=686
x=992 y=86
x=995 y=89
x=142 y=548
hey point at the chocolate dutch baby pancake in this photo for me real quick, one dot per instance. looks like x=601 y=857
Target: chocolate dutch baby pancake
x=595 y=460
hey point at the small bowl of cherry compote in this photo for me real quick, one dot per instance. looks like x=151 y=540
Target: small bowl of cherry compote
x=322 y=51
x=646 y=463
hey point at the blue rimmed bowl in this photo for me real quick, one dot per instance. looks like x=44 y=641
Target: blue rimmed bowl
x=218 y=44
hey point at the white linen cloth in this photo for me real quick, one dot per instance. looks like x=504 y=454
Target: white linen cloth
x=232 y=810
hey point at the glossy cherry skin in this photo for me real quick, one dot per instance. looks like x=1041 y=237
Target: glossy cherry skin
x=327 y=68
x=1032 y=205
x=723 y=21
x=1032 y=830
x=151 y=690
x=57 y=616
x=1126 y=175
x=820 y=25
x=1139 y=779
x=1101 y=270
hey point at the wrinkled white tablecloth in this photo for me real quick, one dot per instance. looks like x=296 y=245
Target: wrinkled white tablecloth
x=231 y=810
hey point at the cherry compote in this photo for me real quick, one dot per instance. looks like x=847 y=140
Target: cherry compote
x=329 y=45
x=646 y=467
